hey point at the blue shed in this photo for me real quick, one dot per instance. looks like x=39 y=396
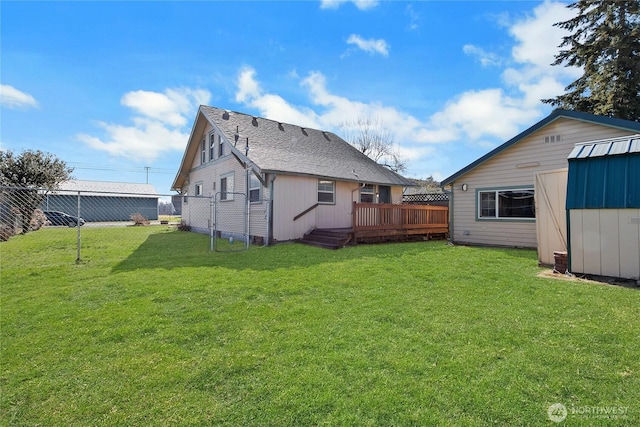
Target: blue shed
x=603 y=208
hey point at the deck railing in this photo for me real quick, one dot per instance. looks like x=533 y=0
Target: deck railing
x=381 y=220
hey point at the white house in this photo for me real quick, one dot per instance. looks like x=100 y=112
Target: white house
x=296 y=179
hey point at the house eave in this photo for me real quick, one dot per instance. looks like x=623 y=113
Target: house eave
x=613 y=122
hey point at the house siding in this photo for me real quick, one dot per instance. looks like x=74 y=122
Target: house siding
x=516 y=167
x=295 y=194
x=197 y=211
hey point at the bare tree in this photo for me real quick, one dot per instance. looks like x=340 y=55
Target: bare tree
x=373 y=138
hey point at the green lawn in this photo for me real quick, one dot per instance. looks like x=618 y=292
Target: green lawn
x=152 y=329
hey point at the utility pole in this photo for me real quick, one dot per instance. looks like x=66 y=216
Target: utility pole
x=147 y=169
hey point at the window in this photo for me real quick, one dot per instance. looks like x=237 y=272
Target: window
x=203 y=152
x=254 y=189
x=226 y=187
x=220 y=147
x=508 y=204
x=326 y=191
x=212 y=146
x=198 y=191
x=367 y=193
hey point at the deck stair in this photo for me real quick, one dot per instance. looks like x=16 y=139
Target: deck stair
x=329 y=238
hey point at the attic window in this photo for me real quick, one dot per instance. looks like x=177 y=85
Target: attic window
x=552 y=138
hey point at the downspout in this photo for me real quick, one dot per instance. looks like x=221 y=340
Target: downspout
x=248 y=204
x=270 y=239
x=451 y=213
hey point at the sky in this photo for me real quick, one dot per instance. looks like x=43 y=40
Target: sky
x=113 y=87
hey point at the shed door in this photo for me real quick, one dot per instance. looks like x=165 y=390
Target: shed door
x=551 y=219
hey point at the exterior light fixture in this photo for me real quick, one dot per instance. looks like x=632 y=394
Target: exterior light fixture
x=465 y=187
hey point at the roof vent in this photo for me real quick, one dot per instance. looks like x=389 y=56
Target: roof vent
x=225 y=115
x=254 y=121
x=304 y=131
x=326 y=136
x=552 y=138
x=280 y=127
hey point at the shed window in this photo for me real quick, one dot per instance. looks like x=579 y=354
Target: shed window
x=198 y=191
x=506 y=204
x=326 y=191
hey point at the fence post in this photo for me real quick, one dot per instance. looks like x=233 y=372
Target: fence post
x=78 y=230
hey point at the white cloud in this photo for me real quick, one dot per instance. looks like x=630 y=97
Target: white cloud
x=271 y=106
x=414 y=18
x=478 y=114
x=14 y=99
x=481 y=118
x=486 y=58
x=537 y=42
x=360 y=4
x=370 y=46
x=158 y=127
x=169 y=107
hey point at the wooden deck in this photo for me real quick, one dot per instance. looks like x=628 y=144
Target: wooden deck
x=382 y=222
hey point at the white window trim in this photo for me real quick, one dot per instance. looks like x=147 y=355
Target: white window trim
x=254 y=180
x=333 y=192
x=212 y=146
x=372 y=192
x=198 y=189
x=220 y=147
x=227 y=195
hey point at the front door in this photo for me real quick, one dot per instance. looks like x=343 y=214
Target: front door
x=385 y=194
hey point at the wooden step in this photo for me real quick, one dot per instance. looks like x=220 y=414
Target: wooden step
x=328 y=238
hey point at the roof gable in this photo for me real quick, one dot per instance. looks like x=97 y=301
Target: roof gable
x=555 y=115
x=277 y=147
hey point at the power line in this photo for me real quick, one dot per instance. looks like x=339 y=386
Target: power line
x=146 y=169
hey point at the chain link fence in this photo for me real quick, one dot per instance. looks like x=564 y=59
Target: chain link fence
x=232 y=221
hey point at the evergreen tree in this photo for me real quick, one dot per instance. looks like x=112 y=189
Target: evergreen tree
x=605 y=42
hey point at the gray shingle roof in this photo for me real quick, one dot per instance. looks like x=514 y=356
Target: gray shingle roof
x=285 y=148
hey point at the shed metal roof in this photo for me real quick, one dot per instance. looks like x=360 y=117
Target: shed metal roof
x=605 y=174
x=608 y=147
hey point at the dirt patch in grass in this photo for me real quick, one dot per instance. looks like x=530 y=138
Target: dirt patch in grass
x=587 y=278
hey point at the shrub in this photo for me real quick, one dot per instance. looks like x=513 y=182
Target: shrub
x=38 y=219
x=138 y=219
x=5 y=232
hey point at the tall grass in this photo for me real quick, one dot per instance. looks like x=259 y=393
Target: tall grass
x=153 y=329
